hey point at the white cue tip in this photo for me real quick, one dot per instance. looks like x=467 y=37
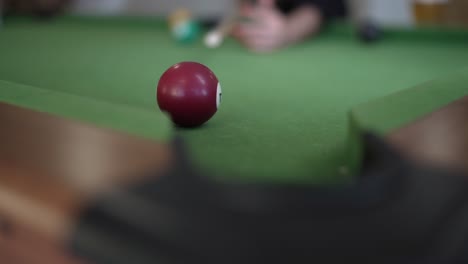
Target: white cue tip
x=214 y=39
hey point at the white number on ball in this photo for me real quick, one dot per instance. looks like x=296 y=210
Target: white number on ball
x=219 y=95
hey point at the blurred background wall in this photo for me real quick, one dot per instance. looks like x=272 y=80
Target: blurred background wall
x=386 y=12
x=390 y=11
x=200 y=8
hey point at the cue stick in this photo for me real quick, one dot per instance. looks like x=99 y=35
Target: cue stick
x=215 y=37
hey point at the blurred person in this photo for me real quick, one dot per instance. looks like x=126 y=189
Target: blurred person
x=277 y=24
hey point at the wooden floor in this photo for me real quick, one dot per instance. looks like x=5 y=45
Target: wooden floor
x=49 y=168
x=438 y=139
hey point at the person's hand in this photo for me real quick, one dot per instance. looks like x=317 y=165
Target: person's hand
x=266 y=30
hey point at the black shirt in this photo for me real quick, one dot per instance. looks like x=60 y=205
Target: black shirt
x=328 y=8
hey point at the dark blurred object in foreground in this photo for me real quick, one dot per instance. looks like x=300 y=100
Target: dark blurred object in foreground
x=112 y=198
x=36 y=8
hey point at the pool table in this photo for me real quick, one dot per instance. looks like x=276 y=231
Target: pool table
x=84 y=86
x=284 y=116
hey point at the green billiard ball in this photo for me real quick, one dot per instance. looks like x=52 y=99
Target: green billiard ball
x=186 y=31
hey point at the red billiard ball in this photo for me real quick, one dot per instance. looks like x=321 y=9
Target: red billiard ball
x=190 y=93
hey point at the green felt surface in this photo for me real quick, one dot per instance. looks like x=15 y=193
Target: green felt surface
x=284 y=116
x=410 y=104
x=388 y=113
x=130 y=119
